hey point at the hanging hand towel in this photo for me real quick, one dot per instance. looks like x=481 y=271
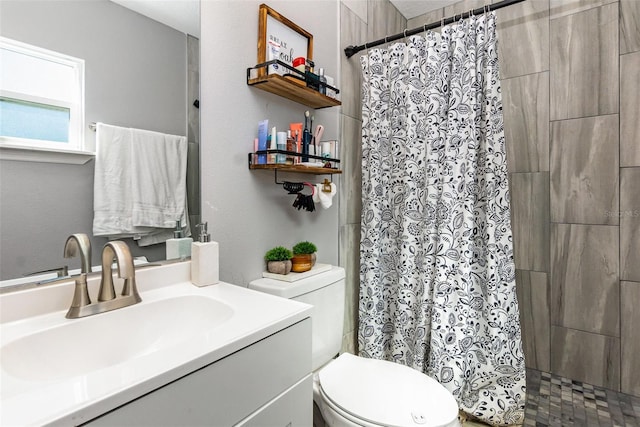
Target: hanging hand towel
x=112 y=196
x=158 y=179
x=323 y=197
x=139 y=183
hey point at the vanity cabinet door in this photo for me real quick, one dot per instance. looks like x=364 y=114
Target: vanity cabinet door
x=230 y=390
x=293 y=408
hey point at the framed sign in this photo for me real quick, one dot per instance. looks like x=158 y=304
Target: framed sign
x=280 y=38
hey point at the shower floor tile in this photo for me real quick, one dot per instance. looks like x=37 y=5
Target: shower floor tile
x=554 y=401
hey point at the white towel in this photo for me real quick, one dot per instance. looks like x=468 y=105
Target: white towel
x=323 y=197
x=139 y=183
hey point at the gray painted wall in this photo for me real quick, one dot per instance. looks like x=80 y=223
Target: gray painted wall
x=135 y=75
x=246 y=211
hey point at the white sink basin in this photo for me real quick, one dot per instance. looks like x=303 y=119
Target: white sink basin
x=79 y=369
x=80 y=346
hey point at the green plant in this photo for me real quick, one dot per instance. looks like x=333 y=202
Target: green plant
x=304 y=248
x=279 y=253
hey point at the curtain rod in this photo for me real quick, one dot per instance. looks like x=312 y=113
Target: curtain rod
x=352 y=50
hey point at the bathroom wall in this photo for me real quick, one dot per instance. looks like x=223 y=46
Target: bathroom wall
x=247 y=212
x=570 y=85
x=570 y=98
x=360 y=21
x=43 y=203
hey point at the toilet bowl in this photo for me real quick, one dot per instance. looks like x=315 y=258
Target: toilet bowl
x=356 y=391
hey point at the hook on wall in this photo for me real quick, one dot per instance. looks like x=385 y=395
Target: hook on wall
x=326 y=186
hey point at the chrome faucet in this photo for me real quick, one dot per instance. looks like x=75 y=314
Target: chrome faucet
x=107 y=300
x=79 y=243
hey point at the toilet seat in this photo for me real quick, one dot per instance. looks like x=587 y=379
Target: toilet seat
x=373 y=393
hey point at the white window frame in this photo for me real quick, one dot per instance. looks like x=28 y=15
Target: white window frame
x=14 y=148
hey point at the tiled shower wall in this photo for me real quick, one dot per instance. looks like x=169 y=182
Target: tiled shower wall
x=570 y=99
x=571 y=83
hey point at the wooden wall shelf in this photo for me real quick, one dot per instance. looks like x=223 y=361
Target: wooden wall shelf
x=296 y=169
x=291 y=86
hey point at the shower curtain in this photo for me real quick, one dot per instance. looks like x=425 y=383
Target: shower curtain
x=437 y=277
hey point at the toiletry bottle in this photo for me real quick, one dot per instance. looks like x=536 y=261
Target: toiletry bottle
x=322 y=85
x=204 y=259
x=179 y=247
x=273 y=145
x=306 y=138
x=291 y=147
x=281 y=139
x=298 y=140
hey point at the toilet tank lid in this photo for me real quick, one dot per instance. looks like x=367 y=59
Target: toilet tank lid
x=300 y=287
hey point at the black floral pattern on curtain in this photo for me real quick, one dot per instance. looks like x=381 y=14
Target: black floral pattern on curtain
x=437 y=277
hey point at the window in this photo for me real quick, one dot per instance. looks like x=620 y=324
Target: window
x=41 y=98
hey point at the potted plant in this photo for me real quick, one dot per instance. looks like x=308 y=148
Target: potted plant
x=278 y=260
x=304 y=256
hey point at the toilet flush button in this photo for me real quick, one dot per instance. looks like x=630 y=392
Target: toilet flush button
x=418 y=418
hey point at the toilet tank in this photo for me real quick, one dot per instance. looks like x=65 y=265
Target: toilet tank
x=325 y=291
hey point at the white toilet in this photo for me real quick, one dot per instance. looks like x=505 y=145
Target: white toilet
x=352 y=390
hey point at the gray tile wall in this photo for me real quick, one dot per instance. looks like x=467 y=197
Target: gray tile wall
x=525 y=105
x=584 y=278
x=629 y=195
x=630 y=295
x=630 y=224
x=629 y=26
x=574 y=361
x=530 y=220
x=570 y=85
x=629 y=109
x=524 y=41
x=584 y=63
x=533 y=287
x=573 y=148
x=584 y=170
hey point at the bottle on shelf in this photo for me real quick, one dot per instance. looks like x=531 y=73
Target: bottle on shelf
x=322 y=85
x=291 y=146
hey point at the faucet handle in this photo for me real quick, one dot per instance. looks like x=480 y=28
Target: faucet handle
x=80 y=297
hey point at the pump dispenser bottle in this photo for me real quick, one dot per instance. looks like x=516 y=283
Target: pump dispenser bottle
x=204 y=259
x=179 y=247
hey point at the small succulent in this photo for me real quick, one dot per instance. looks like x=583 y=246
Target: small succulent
x=304 y=248
x=279 y=253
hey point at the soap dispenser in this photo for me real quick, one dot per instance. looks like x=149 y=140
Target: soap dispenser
x=204 y=259
x=179 y=247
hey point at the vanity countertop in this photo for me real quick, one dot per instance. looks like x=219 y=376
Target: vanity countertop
x=32 y=395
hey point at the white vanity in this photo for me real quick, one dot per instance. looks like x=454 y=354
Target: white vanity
x=221 y=355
